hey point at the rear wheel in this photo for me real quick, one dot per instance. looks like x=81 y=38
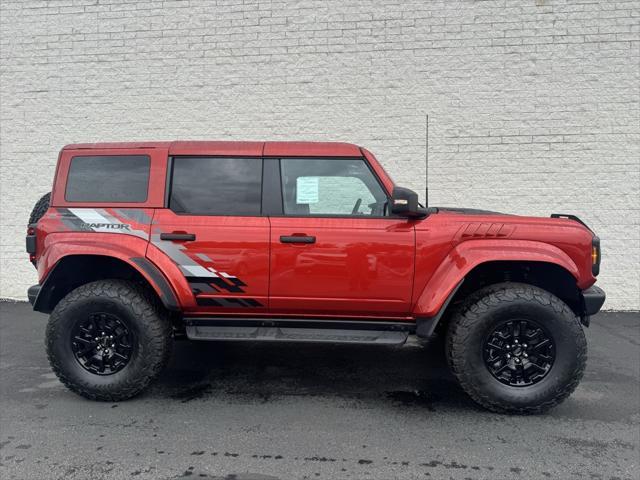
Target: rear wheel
x=108 y=340
x=516 y=348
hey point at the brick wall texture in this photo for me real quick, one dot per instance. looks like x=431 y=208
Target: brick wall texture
x=533 y=105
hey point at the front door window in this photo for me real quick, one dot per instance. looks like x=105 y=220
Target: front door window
x=342 y=187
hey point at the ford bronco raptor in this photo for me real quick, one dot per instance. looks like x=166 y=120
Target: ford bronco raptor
x=142 y=243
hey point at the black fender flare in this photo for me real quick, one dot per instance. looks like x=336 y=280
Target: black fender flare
x=425 y=326
x=167 y=296
x=43 y=296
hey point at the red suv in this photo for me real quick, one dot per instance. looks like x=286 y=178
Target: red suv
x=142 y=243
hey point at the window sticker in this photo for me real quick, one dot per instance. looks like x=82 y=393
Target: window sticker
x=307 y=190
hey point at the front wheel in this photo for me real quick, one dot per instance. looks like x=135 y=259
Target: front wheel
x=516 y=348
x=107 y=340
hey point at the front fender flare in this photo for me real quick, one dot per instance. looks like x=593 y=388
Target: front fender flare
x=468 y=255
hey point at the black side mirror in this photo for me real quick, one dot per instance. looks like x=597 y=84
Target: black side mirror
x=404 y=202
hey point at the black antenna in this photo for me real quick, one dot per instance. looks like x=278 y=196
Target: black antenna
x=426 y=162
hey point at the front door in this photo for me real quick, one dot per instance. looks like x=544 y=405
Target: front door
x=213 y=230
x=335 y=251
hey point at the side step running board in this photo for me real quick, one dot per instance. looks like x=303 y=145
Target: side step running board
x=295 y=334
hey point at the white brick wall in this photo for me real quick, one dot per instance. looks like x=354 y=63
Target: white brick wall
x=534 y=105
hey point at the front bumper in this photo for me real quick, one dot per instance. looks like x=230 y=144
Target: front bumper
x=32 y=293
x=592 y=300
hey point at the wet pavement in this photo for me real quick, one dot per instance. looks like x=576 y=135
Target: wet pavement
x=260 y=412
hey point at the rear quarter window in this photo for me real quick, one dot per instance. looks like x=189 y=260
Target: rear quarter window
x=108 y=178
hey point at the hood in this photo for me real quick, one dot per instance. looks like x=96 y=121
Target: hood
x=469 y=211
x=555 y=219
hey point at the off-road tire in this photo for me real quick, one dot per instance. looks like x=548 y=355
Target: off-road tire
x=40 y=208
x=494 y=304
x=141 y=313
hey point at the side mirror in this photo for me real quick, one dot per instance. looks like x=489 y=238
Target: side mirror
x=404 y=202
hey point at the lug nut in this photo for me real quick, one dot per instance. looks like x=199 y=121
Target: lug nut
x=515 y=341
x=517 y=360
x=525 y=355
x=508 y=355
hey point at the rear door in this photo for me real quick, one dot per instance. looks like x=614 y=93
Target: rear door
x=213 y=229
x=334 y=250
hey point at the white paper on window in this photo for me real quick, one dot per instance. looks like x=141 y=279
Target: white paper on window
x=307 y=190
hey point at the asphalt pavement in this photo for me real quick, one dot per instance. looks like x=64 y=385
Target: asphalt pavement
x=289 y=411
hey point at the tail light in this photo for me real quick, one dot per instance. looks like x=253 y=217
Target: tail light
x=31 y=243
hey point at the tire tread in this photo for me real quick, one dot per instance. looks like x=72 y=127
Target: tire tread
x=480 y=304
x=157 y=351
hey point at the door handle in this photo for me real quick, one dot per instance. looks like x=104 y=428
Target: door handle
x=178 y=237
x=297 y=239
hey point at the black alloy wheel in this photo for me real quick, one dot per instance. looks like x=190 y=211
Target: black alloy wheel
x=102 y=343
x=516 y=348
x=519 y=352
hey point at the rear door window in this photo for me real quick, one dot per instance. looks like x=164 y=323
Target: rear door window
x=216 y=186
x=108 y=178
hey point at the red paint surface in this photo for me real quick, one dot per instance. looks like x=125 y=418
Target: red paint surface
x=358 y=267
x=237 y=246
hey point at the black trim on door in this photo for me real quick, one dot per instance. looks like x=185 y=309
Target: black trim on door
x=271 y=189
x=180 y=237
x=169 y=180
x=297 y=239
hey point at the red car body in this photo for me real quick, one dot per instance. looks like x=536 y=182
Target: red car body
x=382 y=268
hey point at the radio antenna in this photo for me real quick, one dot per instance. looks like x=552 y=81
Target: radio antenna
x=426 y=161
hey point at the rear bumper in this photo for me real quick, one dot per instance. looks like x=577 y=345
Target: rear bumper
x=32 y=293
x=592 y=300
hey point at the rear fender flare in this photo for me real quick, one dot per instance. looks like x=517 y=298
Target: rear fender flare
x=468 y=255
x=131 y=251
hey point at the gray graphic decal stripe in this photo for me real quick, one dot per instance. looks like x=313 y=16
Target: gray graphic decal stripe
x=186 y=264
x=192 y=270
x=116 y=221
x=96 y=220
x=71 y=221
x=134 y=214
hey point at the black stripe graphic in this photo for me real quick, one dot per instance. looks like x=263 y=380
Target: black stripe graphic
x=236 y=281
x=227 y=302
x=202 y=287
x=219 y=283
x=208 y=302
